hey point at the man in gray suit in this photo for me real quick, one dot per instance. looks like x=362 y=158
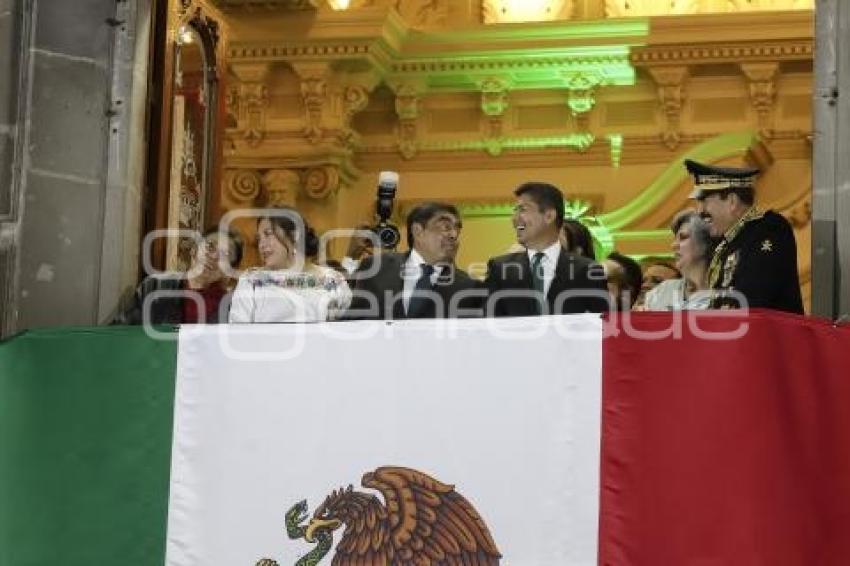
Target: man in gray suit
x=424 y=282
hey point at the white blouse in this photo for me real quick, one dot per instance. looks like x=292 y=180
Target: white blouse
x=290 y=296
x=670 y=296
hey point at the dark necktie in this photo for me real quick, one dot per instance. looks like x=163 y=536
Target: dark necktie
x=421 y=305
x=537 y=279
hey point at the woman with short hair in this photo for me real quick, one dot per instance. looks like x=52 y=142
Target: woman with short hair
x=692 y=248
x=290 y=286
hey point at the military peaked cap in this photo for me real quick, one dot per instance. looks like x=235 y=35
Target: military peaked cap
x=708 y=178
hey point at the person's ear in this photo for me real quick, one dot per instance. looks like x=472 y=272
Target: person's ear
x=549 y=216
x=416 y=229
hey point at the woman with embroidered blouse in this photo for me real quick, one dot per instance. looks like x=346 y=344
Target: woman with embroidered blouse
x=692 y=248
x=289 y=287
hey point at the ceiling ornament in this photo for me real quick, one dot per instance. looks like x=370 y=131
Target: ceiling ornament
x=514 y=11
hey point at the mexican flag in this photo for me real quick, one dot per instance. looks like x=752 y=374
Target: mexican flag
x=646 y=439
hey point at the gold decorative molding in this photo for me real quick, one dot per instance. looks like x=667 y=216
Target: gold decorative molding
x=494 y=103
x=762 y=86
x=633 y=8
x=282 y=187
x=321 y=182
x=772 y=5
x=705 y=55
x=314 y=91
x=407 y=109
x=242 y=188
x=423 y=14
x=670 y=82
x=248 y=100
x=510 y=11
x=266 y=5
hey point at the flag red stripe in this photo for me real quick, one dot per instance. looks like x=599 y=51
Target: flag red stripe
x=726 y=452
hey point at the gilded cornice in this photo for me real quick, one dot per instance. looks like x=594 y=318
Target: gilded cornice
x=266 y=5
x=798 y=50
x=728 y=38
x=535 y=56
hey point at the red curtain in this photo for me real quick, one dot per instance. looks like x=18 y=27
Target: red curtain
x=725 y=451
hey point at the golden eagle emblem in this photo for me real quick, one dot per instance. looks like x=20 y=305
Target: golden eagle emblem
x=423 y=523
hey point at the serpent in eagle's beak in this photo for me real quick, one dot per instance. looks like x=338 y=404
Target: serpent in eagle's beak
x=318 y=524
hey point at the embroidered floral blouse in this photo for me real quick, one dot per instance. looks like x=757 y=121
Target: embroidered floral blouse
x=290 y=296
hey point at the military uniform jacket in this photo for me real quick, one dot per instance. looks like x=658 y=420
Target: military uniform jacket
x=759 y=260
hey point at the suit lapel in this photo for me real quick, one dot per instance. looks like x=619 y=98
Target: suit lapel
x=525 y=271
x=562 y=278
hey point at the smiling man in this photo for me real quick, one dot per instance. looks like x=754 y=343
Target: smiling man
x=545 y=278
x=756 y=258
x=424 y=282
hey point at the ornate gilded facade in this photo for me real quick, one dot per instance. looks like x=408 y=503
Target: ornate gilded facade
x=466 y=99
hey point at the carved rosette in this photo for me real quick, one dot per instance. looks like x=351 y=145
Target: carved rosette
x=282 y=187
x=407 y=110
x=242 y=187
x=321 y=182
x=671 y=97
x=762 y=83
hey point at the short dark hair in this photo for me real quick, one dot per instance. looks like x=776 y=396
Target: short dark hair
x=286 y=224
x=632 y=274
x=236 y=238
x=546 y=196
x=579 y=238
x=424 y=212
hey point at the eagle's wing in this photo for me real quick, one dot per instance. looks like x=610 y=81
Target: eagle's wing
x=430 y=523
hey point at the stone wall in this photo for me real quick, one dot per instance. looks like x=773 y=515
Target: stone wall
x=65 y=109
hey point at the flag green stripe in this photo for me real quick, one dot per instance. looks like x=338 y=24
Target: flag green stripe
x=85 y=447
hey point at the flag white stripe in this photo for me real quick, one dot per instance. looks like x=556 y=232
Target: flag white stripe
x=506 y=410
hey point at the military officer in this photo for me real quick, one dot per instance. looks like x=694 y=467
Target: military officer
x=756 y=256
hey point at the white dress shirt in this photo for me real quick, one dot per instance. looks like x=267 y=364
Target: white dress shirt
x=349 y=264
x=410 y=274
x=549 y=263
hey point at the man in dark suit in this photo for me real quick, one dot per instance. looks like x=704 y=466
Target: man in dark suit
x=755 y=263
x=544 y=278
x=424 y=282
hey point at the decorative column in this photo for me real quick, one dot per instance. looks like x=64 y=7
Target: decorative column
x=249 y=100
x=494 y=102
x=762 y=83
x=671 y=97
